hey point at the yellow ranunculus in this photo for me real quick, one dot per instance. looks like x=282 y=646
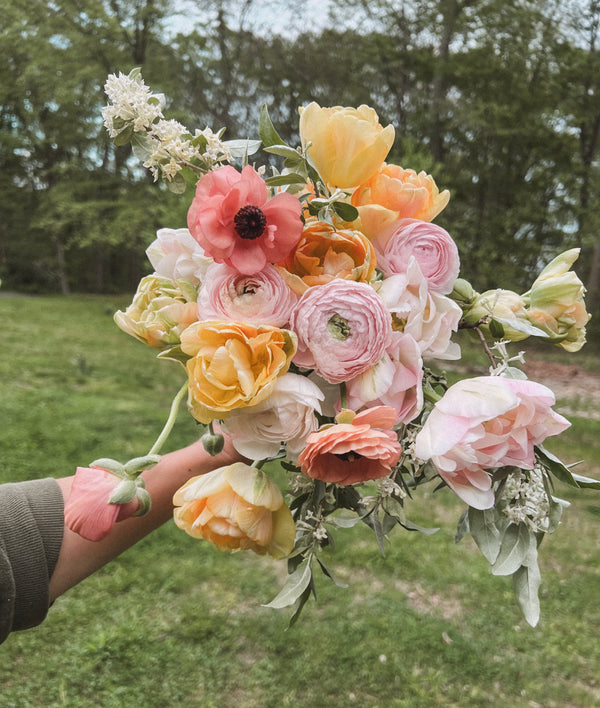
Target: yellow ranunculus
x=325 y=253
x=555 y=302
x=161 y=309
x=348 y=145
x=237 y=508
x=233 y=365
x=394 y=193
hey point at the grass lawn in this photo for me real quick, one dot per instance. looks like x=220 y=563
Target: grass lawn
x=175 y=622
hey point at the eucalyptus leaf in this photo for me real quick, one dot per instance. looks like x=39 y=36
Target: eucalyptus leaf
x=266 y=129
x=514 y=549
x=559 y=470
x=526 y=583
x=486 y=528
x=295 y=585
x=241 y=148
x=284 y=151
x=288 y=178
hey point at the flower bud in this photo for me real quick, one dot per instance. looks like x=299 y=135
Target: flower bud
x=504 y=307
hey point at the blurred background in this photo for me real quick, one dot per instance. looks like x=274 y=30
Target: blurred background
x=499 y=101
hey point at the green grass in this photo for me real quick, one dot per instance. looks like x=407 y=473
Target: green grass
x=175 y=622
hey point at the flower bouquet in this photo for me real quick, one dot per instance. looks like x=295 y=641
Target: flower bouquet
x=308 y=305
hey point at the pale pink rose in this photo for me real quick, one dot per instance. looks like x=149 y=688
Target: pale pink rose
x=287 y=416
x=483 y=423
x=394 y=381
x=348 y=453
x=343 y=329
x=432 y=247
x=430 y=318
x=176 y=255
x=87 y=510
x=233 y=220
x=261 y=299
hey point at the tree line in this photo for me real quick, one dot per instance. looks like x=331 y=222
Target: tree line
x=498 y=99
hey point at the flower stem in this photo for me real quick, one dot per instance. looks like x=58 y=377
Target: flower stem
x=166 y=431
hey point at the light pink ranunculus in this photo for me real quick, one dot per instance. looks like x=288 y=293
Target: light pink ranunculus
x=88 y=511
x=433 y=248
x=233 y=220
x=261 y=299
x=348 y=453
x=287 y=416
x=343 y=329
x=430 y=318
x=175 y=254
x=394 y=381
x=482 y=423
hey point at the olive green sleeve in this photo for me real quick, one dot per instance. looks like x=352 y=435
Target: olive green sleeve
x=31 y=533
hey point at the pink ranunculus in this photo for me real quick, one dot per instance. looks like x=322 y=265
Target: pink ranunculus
x=261 y=299
x=177 y=256
x=430 y=318
x=348 y=453
x=394 y=381
x=433 y=248
x=483 y=423
x=233 y=220
x=343 y=329
x=87 y=510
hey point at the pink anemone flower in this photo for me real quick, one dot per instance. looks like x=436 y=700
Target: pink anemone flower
x=236 y=223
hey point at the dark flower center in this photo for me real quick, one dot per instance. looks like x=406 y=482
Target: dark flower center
x=249 y=222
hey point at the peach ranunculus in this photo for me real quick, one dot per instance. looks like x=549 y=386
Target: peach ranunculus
x=89 y=511
x=262 y=298
x=347 y=145
x=324 y=253
x=394 y=193
x=233 y=220
x=233 y=365
x=555 y=303
x=350 y=452
x=343 y=329
x=430 y=318
x=431 y=245
x=161 y=309
x=237 y=508
x=483 y=423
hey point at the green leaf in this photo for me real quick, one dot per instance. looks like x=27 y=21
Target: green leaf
x=302 y=600
x=462 y=528
x=242 y=148
x=107 y=463
x=295 y=585
x=266 y=130
x=174 y=354
x=177 y=184
x=124 y=492
x=284 y=151
x=486 y=528
x=124 y=136
x=514 y=549
x=139 y=464
x=496 y=329
x=559 y=470
x=345 y=211
x=289 y=178
x=331 y=575
x=526 y=583
x=140 y=145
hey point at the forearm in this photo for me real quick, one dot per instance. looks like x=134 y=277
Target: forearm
x=79 y=557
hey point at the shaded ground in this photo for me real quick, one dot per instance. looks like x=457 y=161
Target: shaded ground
x=578 y=390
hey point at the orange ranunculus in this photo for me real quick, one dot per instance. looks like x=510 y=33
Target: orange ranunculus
x=348 y=145
x=394 y=193
x=233 y=364
x=325 y=253
x=237 y=508
x=357 y=451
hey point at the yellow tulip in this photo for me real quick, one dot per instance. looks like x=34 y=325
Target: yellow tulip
x=233 y=365
x=237 y=508
x=347 y=145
